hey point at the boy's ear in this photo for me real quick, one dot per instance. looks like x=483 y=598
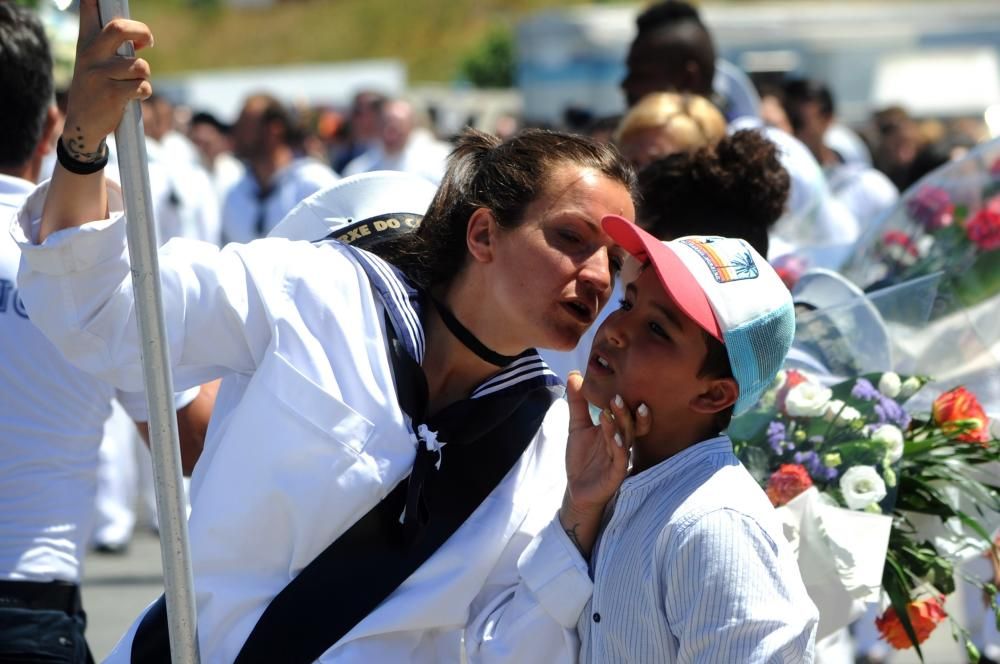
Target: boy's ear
x=479 y=235
x=720 y=393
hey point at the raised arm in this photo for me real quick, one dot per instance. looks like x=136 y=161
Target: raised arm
x=103 y=83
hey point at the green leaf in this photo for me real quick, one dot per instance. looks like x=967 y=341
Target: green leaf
x=899 y=595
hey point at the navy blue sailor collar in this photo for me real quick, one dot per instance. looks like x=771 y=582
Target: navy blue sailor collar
x=403 y=304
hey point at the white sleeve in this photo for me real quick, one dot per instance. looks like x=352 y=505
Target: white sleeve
x=135 y=405
x=535 y=620
x=78 y=290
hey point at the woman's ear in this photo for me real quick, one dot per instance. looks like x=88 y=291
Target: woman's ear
x=719 y=394
x=479 y=234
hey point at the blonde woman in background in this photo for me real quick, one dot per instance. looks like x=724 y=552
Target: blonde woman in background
x=664 y=123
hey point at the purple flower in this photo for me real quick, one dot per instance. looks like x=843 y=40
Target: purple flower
x=812 y=463
x=775 y=435
x=864 y=390
x=932 y=207
x=830 y=474
x=888 y=411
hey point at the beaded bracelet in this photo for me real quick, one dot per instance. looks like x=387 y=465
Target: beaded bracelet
x=80 y=167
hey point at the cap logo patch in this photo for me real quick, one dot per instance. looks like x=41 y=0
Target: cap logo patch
x=727 y=259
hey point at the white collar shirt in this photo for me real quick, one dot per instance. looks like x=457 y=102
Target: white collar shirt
x=249 y=213
x=691 y=566
x=306 y=438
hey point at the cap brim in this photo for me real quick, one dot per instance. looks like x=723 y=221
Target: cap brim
x=673 y=274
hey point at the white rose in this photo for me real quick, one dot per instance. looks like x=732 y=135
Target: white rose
x=807 y=400
x=892 y=438
x=909 y=387
x=838 y=409
x=889 y=384
x=861 y=487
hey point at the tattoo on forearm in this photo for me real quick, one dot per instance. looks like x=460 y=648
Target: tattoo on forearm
x=571 y=533
x=75 y=148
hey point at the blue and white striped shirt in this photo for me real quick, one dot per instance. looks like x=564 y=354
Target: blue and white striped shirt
x=692 y=566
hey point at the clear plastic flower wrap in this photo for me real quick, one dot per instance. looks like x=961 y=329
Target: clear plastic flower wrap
x=876 y=469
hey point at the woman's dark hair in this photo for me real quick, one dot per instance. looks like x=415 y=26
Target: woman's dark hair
x=502 y=176
x=737 y=188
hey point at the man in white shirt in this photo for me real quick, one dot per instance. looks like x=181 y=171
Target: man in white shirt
x=403 y=146
x=866 y=192
x=276 y=178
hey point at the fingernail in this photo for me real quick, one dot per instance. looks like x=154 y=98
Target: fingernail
x=575 y=372
x=618 y=439
x=618 y=401
x=643 y=410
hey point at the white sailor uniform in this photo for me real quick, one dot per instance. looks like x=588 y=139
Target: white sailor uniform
x=307 y=437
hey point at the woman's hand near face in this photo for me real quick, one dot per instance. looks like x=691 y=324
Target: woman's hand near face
x=103 y=84
x=596 y=461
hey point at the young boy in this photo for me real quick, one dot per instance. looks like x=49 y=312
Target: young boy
x=691 y=564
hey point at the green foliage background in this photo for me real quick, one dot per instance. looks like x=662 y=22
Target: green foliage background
x=439 y=40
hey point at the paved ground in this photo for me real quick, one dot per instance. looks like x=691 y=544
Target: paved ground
x=117 y=588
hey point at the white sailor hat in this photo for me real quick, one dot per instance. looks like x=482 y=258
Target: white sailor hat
x=361 y=210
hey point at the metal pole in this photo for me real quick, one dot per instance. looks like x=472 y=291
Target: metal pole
x=178 y=580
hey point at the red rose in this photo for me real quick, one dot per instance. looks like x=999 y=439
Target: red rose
x=792 y=378
x=958 y=405
x=924 y=615
x=983 y=228
x=787 y=482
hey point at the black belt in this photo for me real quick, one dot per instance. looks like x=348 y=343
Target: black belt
x=41 y=595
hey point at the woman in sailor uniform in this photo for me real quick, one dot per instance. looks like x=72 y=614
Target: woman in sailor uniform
x=351 y=384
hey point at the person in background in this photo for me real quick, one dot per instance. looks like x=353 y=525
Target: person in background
x=896 y=144
x=362 y=128
x=213 y=140
x=664 y=123
x=277 y=178
x=866 y=192
x=403 y=146
x=673 y=51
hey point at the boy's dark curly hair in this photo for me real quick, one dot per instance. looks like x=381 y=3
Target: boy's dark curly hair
x=737 y=188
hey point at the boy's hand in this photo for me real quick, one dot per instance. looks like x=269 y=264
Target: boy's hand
x=103 y=81
x=596 y=461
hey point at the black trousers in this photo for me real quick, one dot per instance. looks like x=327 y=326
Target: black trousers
x=42 y=622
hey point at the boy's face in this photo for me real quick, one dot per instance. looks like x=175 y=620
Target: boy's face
x=648 y=351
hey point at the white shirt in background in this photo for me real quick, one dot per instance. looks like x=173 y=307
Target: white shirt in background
x=249 y=214
x=423 y=155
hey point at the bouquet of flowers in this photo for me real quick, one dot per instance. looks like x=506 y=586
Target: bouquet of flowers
x=949 y=221
x=854 y=474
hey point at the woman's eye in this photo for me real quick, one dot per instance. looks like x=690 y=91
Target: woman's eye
x=624 y=304
x=658 y=331
x=570 y=237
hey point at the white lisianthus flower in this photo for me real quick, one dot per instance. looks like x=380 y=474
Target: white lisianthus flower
x=807 y=400
x=861 y=487
x=838 y=409
x=892 y=438
x=889 y=384
x=909 y=387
